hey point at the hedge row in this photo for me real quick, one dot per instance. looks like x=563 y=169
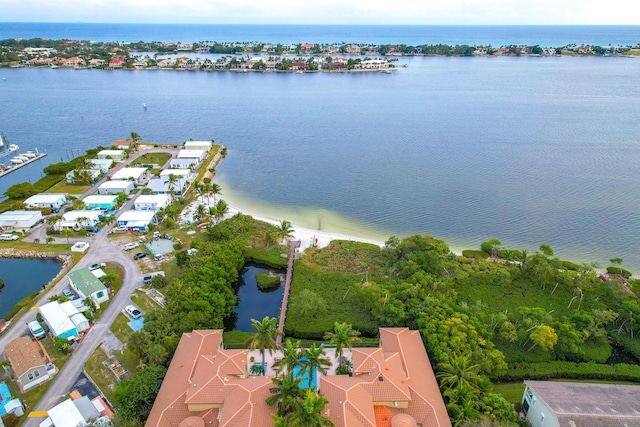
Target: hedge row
x=470 y=253
x=550 y=370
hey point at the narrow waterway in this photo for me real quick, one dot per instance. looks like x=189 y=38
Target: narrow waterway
x=23 y=277
x=253 y=303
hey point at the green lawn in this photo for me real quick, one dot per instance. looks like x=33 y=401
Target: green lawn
x=143 y=301
x=58 y=358
x=74 y=189
x=120 y=328
x=512 y=392
x=152 y=158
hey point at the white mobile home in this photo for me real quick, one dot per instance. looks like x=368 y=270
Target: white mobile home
x=192 y=154
x=19 y=220
x=111 y=154
x=161 y=186
x=116 y=186
x=182 y=173
x=183 y=163
x=52 y=201
x=57 y=321
x=198 y=145
x=79 y=219
x=136 y=175
x=152 y=202
x=102 y=164
x=137 y=220
x=91 y=174
x=99 y=201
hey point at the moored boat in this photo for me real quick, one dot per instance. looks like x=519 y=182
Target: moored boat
x=17 y=161
x=13 y=147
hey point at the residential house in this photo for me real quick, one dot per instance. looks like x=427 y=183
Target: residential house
x=137 y=220
x=79 y=219
x=96 y=62
x=192 y=154
x=198 y=145
x=185 y=46
x=167 y=63
x=92 y=174
x=29 y=361
x=102 y=164
x=352 y=49
x=298 y=65
x=136 y=175
x=53 y=201
x=152 y=202
x=19 y=220
x=100 y=202
x=116 y=186
x=566 y=404
x=183 y=163
x=161 y=185
x=73 y=413
x=87 y=285
x=306 y=48
x=373 y=64
x=112 y=154
x=123 y=144
x=57 y=318
x=117 y=63
x=208 y=385
x=72 y=62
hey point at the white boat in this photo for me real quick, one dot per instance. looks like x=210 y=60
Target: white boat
x=21 y=157
x=17 y=161
x=13 y=147
x=29 y=154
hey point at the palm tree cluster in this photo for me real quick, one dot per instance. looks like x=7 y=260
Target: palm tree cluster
x=298 y=405
x=207 y=190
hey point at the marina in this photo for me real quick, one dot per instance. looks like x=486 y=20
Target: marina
x=18 y=161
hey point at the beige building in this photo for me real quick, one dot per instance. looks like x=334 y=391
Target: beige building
x=30 y=362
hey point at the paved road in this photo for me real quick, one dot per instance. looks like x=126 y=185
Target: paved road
x=101 y=250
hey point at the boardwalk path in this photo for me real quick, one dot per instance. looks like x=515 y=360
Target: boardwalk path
x=293 y=244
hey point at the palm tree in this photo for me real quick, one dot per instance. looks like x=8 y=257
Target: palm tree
x=6 y=365
x=49 y=239
x=313 y=361
x=307 y=412
x=459 y=372
x=290 y=356
x=36 y=240
x=286 y=391
x=462 y=404
x=343 y=336
x=201 y=190
x=201 y=213
x=215 y=189
x=264 y=338
x=220 y=210
x=171 y=182
x=53 y=220
x=284 y=230
x=269 y=237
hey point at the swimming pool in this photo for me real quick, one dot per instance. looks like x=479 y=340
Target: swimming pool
x=297 y=372
x=5 y=396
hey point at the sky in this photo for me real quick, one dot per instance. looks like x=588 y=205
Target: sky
x=396 y=12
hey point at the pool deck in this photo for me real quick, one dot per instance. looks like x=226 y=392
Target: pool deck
x=270 y=359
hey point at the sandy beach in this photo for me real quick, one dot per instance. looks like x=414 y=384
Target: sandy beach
x=306 y=236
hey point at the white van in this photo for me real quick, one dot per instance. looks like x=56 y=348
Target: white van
x=36 y=330
x=8 y=237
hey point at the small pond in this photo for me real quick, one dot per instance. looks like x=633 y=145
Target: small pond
x=23 y=277
x=254 y=303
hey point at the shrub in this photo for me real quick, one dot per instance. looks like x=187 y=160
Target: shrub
x=469 y=253
x=266 y=281
x=589 y=370
x=206 y=180
x=178 y=246
x=618 y=270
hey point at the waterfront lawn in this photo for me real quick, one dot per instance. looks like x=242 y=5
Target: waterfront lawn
x=73 y=189
x=100 y=375
x=236 y=339
x=153 y=159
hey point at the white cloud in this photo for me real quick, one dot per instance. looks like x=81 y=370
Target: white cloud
x=325 y=12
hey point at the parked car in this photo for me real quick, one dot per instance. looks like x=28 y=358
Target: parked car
x=8 y=237
x=91 y=229
x=159 y=257
x=97 y=266
x=132 y=311
x=120 y=228
x=67 y=293
x=130 y=246
x=147 y=279
x=36 y=330
x=140 y=255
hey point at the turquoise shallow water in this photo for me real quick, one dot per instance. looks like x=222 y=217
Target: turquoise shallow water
x=526 y=150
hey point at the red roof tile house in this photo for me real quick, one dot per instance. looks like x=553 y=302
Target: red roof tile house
x=563 y=404
x=207 y=385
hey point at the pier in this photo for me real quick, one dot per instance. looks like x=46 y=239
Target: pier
x=293 y=245
x=18 y=166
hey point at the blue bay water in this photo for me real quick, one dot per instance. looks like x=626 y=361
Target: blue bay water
x=23 y=277
x=495 y=35
x=526 y=150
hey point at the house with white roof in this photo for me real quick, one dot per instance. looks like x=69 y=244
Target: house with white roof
x=57 y=320
x=19 y=220
x=185 y=174
x=192 y=154
x=112 y=154
x=52 y=201
x=183 y=163
x=102 y=164
x=71 y=413
x=79 y=219
x=136 y=175
x=137 y=220
x=100 y=201
x=92 y=174
x=152 y=202
x=116 y=186
x=87 y=285
x=198 y=145
x=161 y=186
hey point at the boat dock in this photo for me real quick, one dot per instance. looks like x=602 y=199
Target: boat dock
x=13 y=167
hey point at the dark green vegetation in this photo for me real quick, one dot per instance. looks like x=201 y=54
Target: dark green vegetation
x=267 y=281
x=514 y=316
